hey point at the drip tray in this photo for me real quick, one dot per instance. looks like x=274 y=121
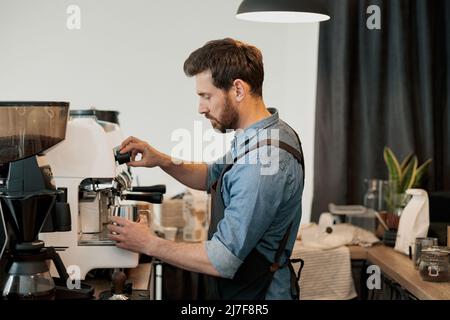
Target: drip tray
x=86 y=292
x=134 y=295
x=95 y=239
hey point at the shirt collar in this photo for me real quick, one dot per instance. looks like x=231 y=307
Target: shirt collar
x=242 y=137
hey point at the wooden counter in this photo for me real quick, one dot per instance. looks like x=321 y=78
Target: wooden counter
x=358 y=252
x=401 y=269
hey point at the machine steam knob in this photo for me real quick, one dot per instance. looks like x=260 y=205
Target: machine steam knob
x=121 y=158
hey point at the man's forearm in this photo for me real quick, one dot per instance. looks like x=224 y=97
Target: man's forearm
x=192 y=175
x=189 y=256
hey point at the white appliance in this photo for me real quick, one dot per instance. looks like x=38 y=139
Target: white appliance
x=414 y=221
x=84 y=163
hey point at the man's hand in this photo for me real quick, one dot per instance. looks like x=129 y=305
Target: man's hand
x=137 y=237
x=133 y=236
x=150 y=157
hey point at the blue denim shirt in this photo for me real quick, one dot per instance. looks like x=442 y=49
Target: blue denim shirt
x=262 y=195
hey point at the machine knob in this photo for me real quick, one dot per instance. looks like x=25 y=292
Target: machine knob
x=121 y=158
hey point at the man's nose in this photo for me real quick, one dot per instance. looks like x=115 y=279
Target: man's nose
x=202 y=109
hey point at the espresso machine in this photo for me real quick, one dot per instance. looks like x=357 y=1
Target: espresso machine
x=28 y=198
x=98 y=184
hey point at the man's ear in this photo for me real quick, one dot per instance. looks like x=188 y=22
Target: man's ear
x=240 y=89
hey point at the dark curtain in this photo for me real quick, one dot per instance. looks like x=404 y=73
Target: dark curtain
x=376 y=88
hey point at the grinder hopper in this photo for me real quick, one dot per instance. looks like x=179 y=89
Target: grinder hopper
x=29 y=128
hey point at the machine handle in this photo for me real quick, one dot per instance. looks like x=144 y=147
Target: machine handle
x=59 y=265
x=159 y=188
x=151 y=197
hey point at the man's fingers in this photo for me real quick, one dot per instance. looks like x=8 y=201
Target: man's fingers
x=127 y=141
x=133 y=155
x=122 y=245
x=132 y=146
x=140 y=163
x=113 y=228
x=119 y=220
x=115 y=237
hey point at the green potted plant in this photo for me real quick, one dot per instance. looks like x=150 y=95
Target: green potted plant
x=402 y=176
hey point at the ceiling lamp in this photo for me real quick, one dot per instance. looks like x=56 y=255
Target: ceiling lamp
x=283 y=11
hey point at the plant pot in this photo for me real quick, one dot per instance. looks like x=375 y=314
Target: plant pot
x=396 y=202
x=389 y=237
x=392 y=220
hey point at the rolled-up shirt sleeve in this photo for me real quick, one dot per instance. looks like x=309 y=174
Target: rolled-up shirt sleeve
x=225 y=262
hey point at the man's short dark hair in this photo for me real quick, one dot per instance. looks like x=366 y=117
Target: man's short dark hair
x=228 y=60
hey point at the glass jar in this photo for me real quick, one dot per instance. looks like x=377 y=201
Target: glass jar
x=421 y=244
x=371 y=195
x=434 y=264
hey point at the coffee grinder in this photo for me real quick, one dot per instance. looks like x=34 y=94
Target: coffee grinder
x=28 y=196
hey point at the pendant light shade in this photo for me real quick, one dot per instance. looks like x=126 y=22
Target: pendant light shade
x=283 y=11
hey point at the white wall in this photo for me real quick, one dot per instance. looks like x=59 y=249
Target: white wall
x=128 y=56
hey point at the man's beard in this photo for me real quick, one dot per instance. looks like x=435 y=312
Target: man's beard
x=228 y=118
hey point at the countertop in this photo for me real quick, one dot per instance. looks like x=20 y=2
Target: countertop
x=394 y=264
x=401 y=269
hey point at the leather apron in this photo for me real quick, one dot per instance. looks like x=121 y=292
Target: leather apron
x=254 y=276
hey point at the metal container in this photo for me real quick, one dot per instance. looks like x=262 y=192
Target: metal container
x=421 y=244
x=126 y=211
